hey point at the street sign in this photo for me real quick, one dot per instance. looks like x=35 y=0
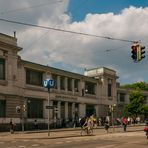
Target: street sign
x=48 y=83
x=49 y=107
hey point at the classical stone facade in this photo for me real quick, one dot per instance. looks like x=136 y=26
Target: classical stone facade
x=123 y=99
x=73 y=95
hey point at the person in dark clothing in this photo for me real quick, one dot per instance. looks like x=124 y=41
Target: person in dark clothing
x=11 y=126
x=35 y=124
x=82 y=121
x=106 y=126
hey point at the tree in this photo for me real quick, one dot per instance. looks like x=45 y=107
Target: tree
x=136 y=106
x=138 y=85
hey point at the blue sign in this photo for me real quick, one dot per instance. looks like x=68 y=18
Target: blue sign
x=48 y=83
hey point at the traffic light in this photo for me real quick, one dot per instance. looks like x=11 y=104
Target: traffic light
x=18 y=109
x=142 y=52
x=134 y=49
x=24 y=108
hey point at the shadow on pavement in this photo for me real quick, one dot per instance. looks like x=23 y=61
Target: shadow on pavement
x=56 y=137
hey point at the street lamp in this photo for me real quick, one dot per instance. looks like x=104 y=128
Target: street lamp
x=112 y=108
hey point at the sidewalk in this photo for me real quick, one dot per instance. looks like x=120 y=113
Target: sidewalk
x=65 y=133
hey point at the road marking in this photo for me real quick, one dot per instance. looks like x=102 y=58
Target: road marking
x=21 y=146
x=60 y=142
x=25 y=140
x=68 y=141
x=13 y=141
x=106 y=146
x=35 y=145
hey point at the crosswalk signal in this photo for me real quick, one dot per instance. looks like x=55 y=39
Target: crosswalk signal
x=18 y=109
x=134 y=52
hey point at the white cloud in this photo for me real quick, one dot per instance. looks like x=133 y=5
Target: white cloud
x=50 y=47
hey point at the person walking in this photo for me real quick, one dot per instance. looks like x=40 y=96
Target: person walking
x=35 y=125
x=11 y=126
x=124 y=120
x=106 y=126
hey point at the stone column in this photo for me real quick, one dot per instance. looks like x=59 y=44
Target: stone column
x=73 y=111
x=97 y=110
x=66 y=81
x=51 y=111
x=58 y=83
x=59 y=109
x=73 y=89
x=82 y=110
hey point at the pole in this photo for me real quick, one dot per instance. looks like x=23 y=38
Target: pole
x=22 y=112
x=48 y=112
x=113 y=119
x=111 y=107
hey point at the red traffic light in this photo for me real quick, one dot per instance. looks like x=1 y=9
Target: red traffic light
x=134 y=52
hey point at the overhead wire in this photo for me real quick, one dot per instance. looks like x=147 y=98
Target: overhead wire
x=40 y=5
x=66 y=31
x=30 y=7
x=77 y=8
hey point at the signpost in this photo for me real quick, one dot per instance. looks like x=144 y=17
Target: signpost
x=48 y=83
x=49 y=107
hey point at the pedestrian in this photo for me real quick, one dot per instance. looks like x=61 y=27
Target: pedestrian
x=106 y=126
x=11 y=126
x=124 y=121
x=35 y=124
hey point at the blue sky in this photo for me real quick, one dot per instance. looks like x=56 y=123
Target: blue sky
x=121 y=19
x=79 y=8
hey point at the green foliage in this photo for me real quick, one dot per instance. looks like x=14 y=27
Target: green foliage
x=145 y=110
x=138 y=85
x=136 y=105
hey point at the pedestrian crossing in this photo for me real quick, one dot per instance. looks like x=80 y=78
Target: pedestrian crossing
x=31 y=143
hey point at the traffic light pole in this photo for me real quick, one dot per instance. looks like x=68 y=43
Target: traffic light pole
x=48 y=112
x=23 y=121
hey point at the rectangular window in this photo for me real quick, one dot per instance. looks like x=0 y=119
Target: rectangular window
x=109 y=90
x=69 y=84
x=34 y=77
x=70 y=111
x=2 y=69
x=62 y=83
x=55 y=77
x=76 y=85
x=35 y=108
x=2 y=108
x=90 y=88
x=55 y=106
x=63 y=110
x=122 y=97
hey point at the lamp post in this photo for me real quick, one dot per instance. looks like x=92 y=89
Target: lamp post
x=112 y=108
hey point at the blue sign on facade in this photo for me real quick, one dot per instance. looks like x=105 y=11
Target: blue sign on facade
x=48 y=83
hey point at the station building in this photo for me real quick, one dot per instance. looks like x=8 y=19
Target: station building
x=72 y=97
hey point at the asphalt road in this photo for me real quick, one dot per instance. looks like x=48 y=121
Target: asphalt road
x=111 y=140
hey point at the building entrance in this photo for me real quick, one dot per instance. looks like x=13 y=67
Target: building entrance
x=90 y=110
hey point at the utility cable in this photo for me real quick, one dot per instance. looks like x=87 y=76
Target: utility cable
x=67 y=31
x=30 y=7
